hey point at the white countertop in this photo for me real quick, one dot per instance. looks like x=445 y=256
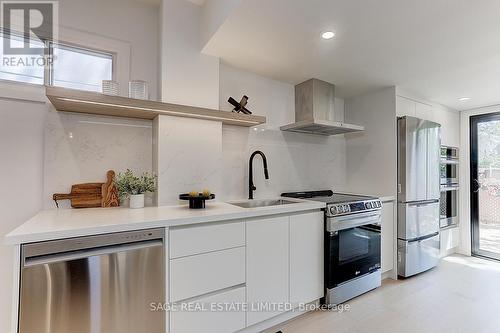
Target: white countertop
x=66 y=223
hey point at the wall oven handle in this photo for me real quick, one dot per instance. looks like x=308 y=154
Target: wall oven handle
x=445 y=188
x=81 y=254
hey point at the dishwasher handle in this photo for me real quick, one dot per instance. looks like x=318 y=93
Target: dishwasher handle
x=81 y=254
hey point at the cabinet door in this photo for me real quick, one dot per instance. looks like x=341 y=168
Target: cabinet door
x=387 y=255
x=267 y=267
x=449 y=241
x=210 y=314
x=423 y=111
x=405 y=107
x=306 y=257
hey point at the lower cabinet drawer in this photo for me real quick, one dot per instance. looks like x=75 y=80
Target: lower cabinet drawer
x=212 y=314
x=205 y=273
x=191 y=240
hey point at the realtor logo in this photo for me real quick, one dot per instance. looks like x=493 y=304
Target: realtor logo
x=33 y=21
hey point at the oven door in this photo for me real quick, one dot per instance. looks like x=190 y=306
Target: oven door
x=448 y=202
x=449 y=172
x=351 y=252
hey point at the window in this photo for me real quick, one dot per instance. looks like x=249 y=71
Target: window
x=20 y=69
x=78 y=68
x=73 y=67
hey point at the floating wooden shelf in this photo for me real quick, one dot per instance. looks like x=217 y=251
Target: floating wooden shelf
x=79 y=101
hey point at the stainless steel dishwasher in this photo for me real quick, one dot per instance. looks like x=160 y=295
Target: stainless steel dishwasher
x=94 y=284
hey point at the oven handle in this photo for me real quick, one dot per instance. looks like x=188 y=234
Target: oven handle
x=445 y=188
x=352 y=221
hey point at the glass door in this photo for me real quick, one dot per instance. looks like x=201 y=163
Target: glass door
x=485 y=185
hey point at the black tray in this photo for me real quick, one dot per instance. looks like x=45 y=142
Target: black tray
x=196 y=202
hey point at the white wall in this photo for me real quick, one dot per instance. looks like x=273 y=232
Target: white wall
x=187 y=76
x=214 y=13
x=21 y=176
x=371 y=155
x=133 y=22
x=465 y=220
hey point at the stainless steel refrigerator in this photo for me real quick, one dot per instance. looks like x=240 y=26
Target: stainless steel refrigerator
x=419 y=144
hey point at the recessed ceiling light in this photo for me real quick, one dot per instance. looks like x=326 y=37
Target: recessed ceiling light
x=464 y=99
x=328 y=35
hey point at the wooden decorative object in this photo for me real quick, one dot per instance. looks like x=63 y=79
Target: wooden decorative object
x=91 y=195
x=109 y=192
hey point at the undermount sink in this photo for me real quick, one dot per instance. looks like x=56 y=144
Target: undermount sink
x=262 y=203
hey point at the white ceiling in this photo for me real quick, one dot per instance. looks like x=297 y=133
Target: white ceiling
x=439 y=49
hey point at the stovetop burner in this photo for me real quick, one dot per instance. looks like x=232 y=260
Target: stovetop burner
x=339 y=203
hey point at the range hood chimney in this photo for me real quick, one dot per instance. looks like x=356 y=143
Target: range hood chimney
x=314 y=110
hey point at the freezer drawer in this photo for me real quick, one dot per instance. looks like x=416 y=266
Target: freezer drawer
x=417 y=256
x=417 y=219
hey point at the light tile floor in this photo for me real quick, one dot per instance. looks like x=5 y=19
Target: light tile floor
x=461 y=295
x=489 y=237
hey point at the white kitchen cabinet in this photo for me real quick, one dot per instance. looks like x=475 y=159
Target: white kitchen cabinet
x=306 y=257
x=191 y=240
x=211 y=314
x=405 y=107
x=449 y=241
x=388 y=237
x=424 y=111
x=450 y=125
x=205 y=273
x=267 y=264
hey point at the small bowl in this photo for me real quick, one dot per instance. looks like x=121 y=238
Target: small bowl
x=196 y=202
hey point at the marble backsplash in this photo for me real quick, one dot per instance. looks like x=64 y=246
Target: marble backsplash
x=81 y=148
x=296 y=162
x=187 y=157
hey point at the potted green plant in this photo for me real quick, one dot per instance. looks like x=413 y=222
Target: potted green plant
x=134 y=187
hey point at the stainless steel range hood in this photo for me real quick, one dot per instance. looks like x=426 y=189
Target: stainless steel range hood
x=314 y=110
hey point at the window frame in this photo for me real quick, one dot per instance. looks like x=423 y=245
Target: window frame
x=49 y=68
x=48 y=72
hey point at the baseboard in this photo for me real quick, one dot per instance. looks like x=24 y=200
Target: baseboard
x=275 y=321
x=389 y=275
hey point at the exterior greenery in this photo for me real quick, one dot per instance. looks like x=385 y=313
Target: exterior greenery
x=489 y=144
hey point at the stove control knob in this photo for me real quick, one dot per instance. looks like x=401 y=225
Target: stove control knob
x=347 y=208
x=368 y=205
x=333 y=210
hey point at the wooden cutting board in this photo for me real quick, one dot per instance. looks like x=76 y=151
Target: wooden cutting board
x=89 y=195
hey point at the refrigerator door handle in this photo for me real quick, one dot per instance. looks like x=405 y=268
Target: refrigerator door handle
x=423 y=238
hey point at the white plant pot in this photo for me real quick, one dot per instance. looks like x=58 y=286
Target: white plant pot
x=136 y=201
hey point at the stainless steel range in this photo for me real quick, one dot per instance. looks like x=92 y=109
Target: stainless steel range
x=352 y=243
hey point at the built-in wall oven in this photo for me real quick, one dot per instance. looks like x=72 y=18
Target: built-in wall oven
x=449 y=187
x=449 y=165
x=448 y=216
